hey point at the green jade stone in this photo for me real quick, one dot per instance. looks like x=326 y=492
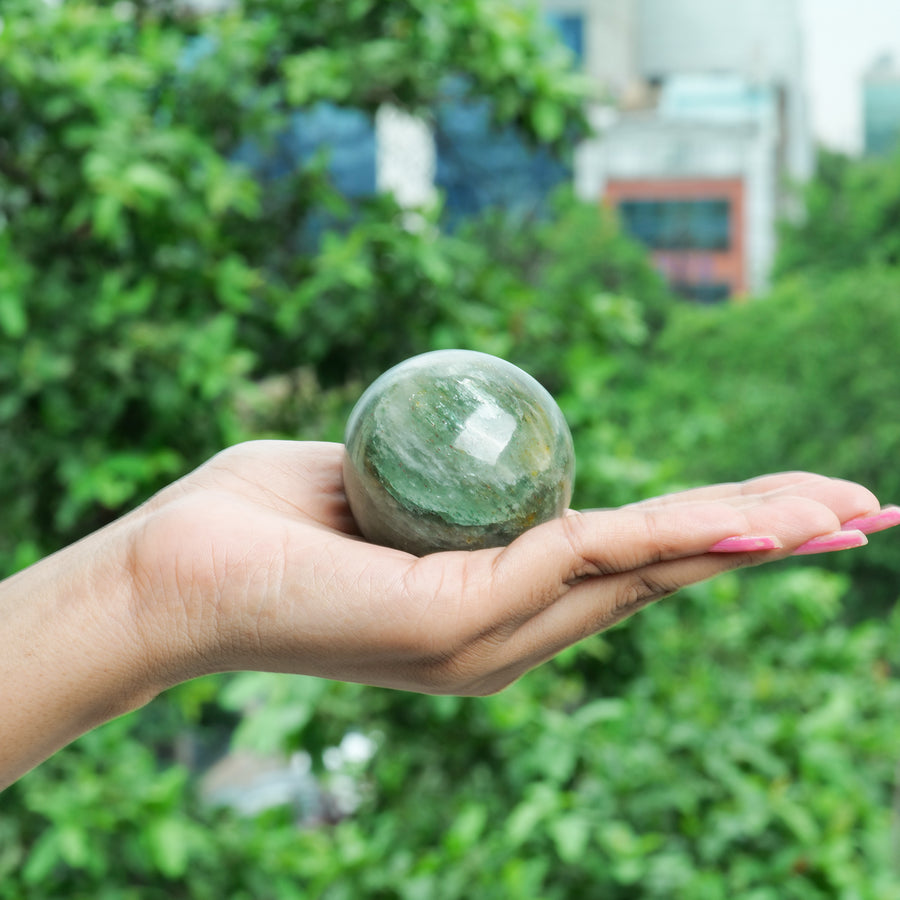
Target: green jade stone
x=455 y=450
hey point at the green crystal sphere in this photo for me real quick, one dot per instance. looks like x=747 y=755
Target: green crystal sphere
x=455 y=450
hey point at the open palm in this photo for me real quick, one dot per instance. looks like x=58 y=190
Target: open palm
x=253 y=562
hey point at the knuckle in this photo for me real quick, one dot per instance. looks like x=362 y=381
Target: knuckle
x=654 y=531
x=584 y=563
x=573 y=528
x=465 y=666
x=639 y=591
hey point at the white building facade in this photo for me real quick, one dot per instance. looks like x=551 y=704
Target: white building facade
x=697 y=100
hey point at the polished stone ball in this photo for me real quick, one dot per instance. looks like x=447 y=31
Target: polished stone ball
x=455 y=450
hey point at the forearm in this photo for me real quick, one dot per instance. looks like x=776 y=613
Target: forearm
x=70 y=652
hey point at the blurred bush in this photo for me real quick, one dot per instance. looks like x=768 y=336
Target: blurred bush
x=148 y=276
x=850 y=214
x=804 y=378
x=735 y=772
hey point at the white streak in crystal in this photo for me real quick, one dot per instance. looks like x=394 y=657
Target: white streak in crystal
x=486 y=433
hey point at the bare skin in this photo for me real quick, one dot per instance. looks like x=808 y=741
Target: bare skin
x=253 y=562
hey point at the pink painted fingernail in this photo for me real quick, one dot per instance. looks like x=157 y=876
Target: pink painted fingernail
x=743 y=543
x=837 y=540
x=887 y=518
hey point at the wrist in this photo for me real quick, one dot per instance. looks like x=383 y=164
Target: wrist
x=74 y=653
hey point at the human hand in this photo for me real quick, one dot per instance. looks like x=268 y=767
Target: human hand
x=253 y=562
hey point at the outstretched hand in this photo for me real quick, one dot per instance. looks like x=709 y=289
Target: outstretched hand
x=253 y=561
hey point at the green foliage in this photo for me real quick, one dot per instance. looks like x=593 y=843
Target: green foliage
x=574 y=286
x=360 y=55
x=149 y=282
x=802 y=379
x=851 y=218
x=716 y=774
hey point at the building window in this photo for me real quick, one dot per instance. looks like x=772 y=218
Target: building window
x=705 y=293
x=679 y=224
x=570 y=28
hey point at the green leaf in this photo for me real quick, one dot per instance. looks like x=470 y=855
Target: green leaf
x=548 y=119
x=168 y=841
x=148 y=179
x=43 y=857
x=467 y=828
x=13 y=318
x=74 y=845
x=570 y=835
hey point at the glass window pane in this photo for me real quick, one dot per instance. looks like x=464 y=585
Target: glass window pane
x=570 y=28
x=679 y=224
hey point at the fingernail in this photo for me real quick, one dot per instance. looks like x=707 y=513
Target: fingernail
x=887 y=518
x=743 y=543
x=837 y=540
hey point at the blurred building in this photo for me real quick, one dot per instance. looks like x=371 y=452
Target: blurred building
x=881 y=107
x=695 y=180
x=702 y=122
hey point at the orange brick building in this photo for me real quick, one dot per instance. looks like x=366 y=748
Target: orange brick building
x=694 y=229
